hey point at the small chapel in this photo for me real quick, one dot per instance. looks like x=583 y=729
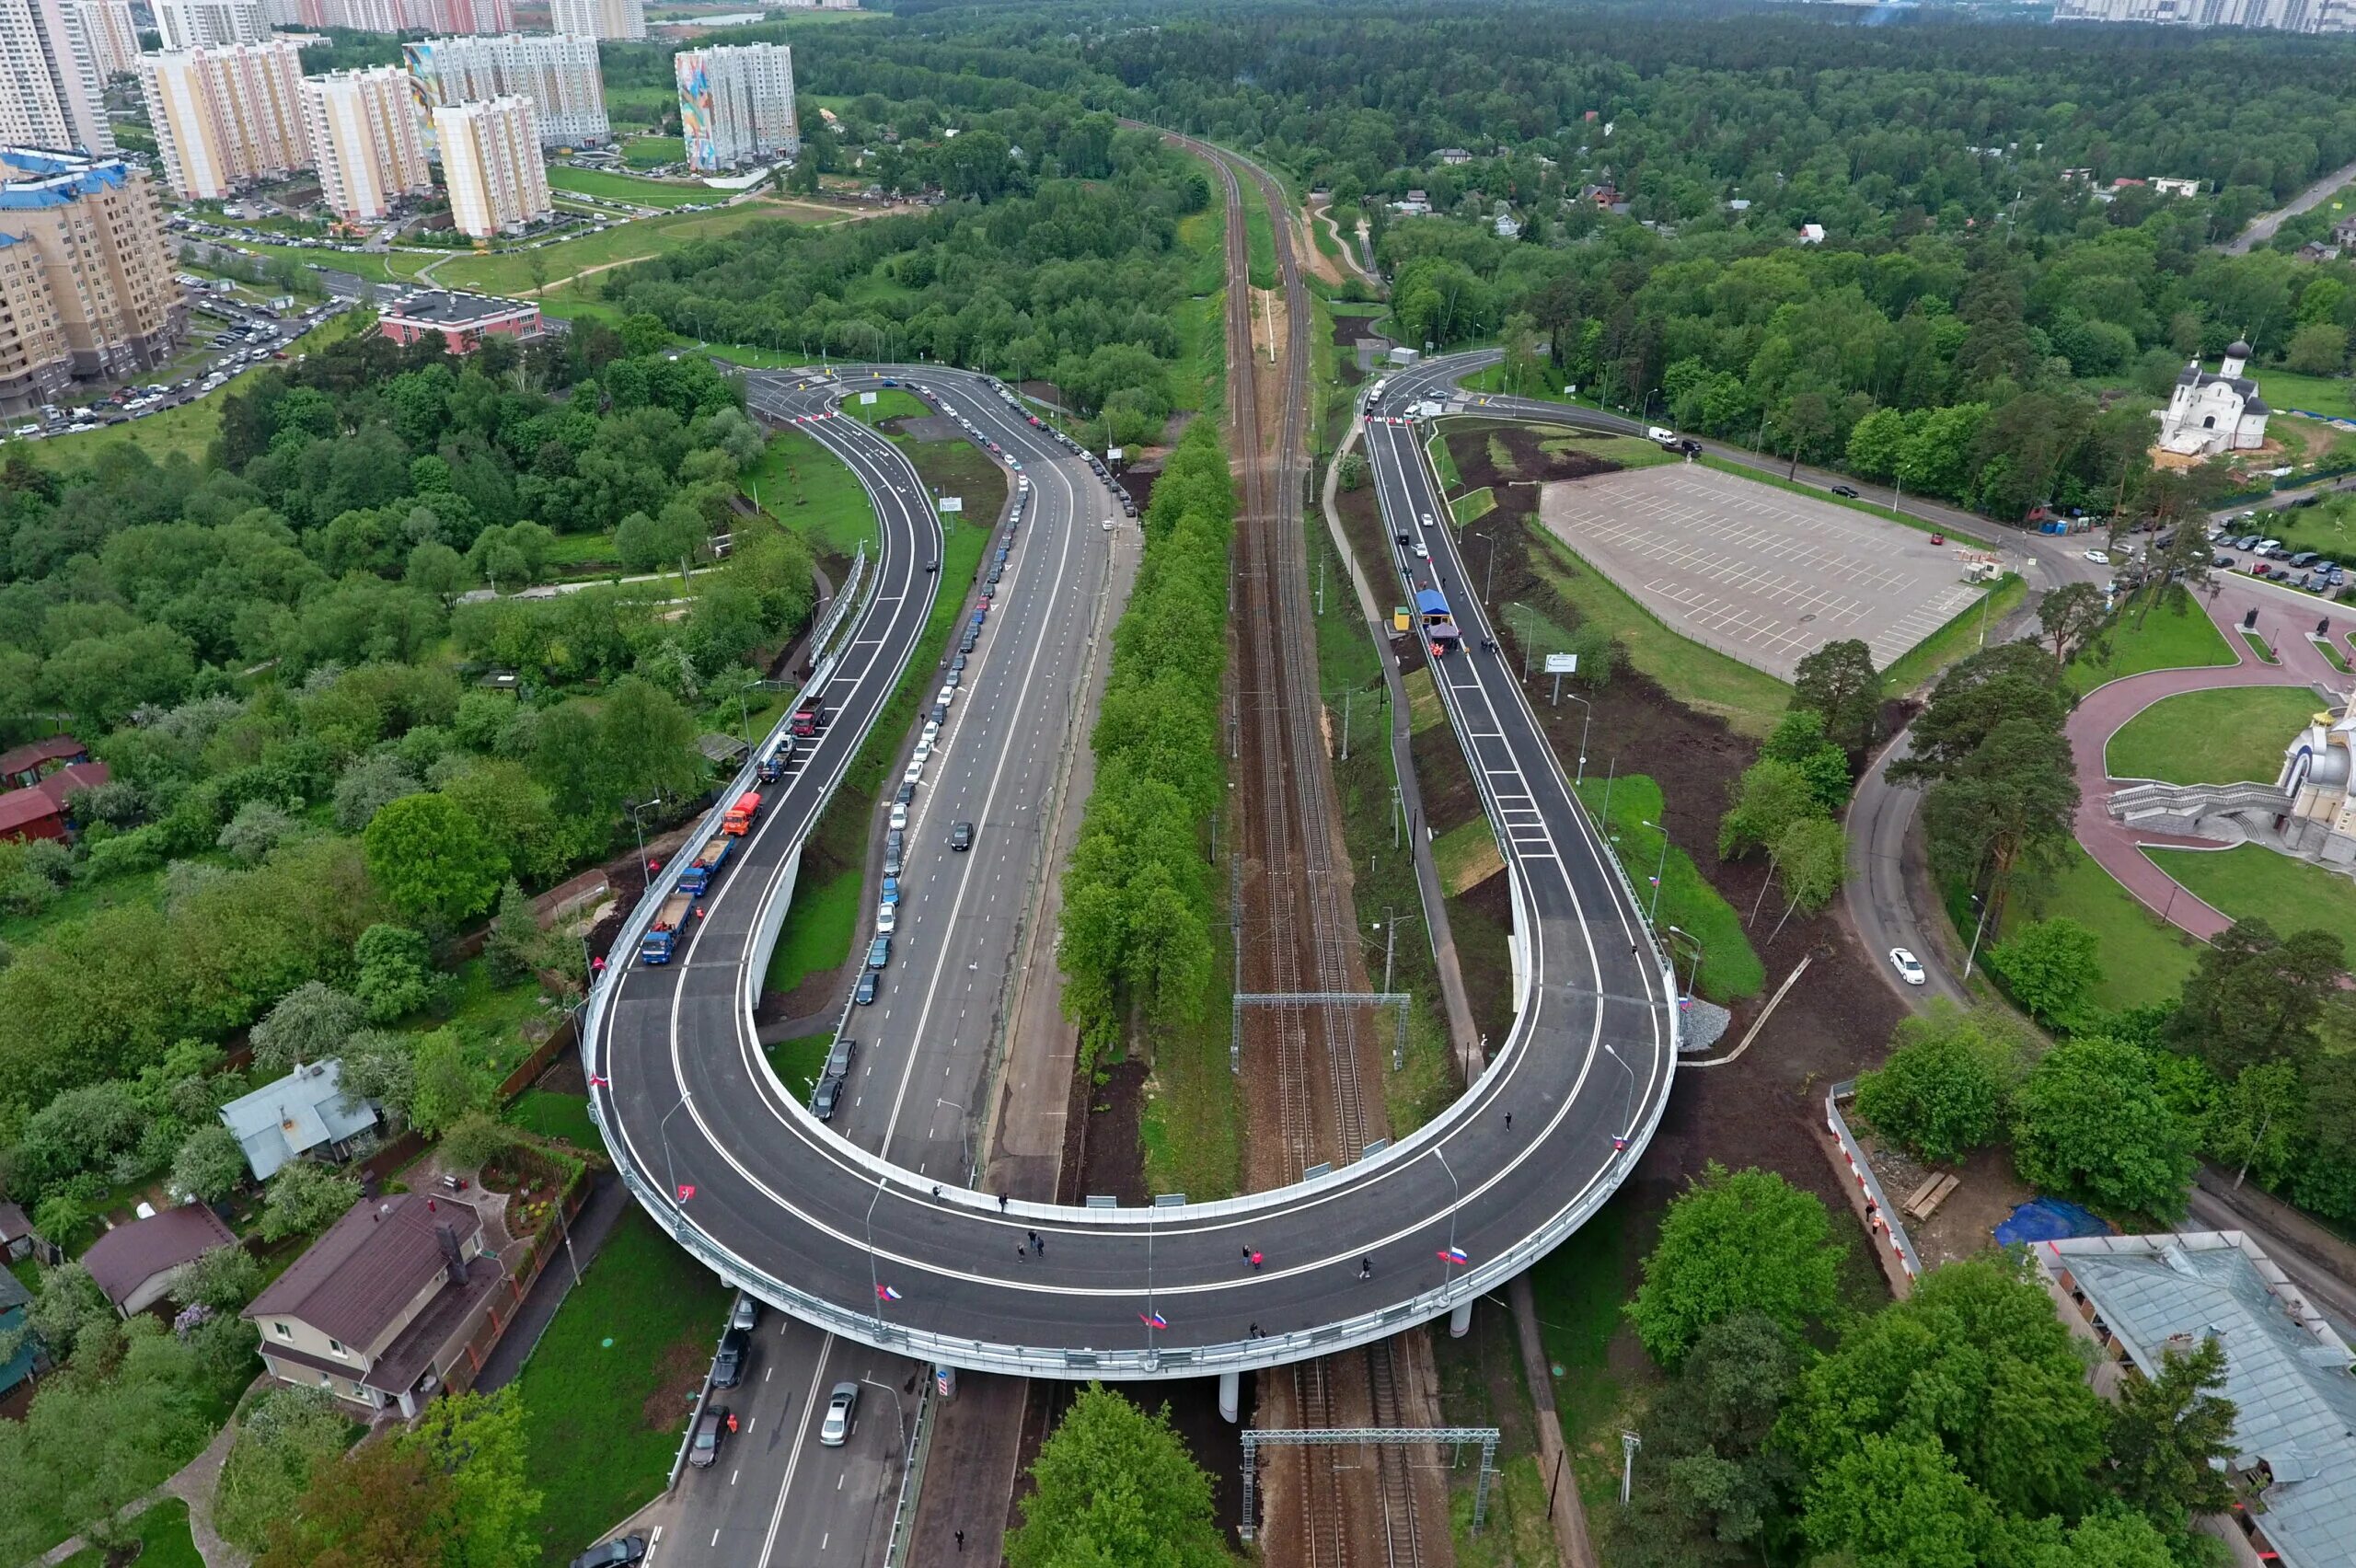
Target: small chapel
x=2211 y=413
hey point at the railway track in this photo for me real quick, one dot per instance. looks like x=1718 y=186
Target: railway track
x=1301 y=902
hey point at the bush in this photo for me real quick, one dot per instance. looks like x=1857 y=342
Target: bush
x=1936 y=1096
x=394 y=972
x=255 y=831
x=2091 y=1121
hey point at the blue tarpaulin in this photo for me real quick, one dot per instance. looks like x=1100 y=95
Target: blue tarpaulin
x=2048 y=1220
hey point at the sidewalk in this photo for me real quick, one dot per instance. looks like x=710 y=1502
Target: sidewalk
x=192 y=1484
x=607 y=1197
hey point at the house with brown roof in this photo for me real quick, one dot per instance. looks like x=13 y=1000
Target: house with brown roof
x=383 y=1310
x=133 y=1263
x=16 y=1238
x=38 y=811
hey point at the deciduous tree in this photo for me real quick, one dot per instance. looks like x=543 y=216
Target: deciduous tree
x=2254 y=998
x=2052 y=968
x=303 y=1198
x=1113 y=1484
x=1735 y=1242
x=431 y=859
x=2090 y=1121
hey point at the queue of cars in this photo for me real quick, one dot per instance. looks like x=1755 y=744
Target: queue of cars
x=252 y=335
x=2265 y=557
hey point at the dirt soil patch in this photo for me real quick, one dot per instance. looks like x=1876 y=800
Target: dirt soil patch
x=678 y=1375
x=564 y=1075
x=1965 y=1223
x=1528 y=463
x=1112 y=1159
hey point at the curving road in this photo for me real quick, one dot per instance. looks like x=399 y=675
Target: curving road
x=809 y=1221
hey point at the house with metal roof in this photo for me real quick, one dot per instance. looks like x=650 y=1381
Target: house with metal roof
x=133 y=1263
x=2290 y=1376
x=304 y=1112
x=14 y=1299
x=383 y=1310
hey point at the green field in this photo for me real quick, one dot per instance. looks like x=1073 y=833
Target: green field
x=2225 y=736
x=509 y=272
x=603 y=1393
x=653 y=152
x=818 y=927
x=377 y=266
x=2250 y=879
x=2176 y=634
x=163 y=1540
x=807 y=487
x=891 y=403
x=2144 y=961
x=191 y=428
x=1628 y=451
x=1731 y=970
x=2315 y=394
x=1702 y=678
x=627 y=188
x=2323 y=527
x=549 y=1114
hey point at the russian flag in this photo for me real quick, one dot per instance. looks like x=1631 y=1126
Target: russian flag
x=1453 y=1255
x=1153 y=1320
x=886 y=1293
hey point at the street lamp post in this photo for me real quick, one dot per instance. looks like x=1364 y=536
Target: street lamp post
x=662 y=1130
x=965 y=1133
x=897 y=1409
x=1584 y=724
x=875 y=1300
x=1619 y=1139
x=1659 y=871
x=1448 y=1263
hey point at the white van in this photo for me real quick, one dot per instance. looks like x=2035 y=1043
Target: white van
x=1661 y=433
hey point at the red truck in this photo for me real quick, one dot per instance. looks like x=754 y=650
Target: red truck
x=809 y=715
x=739 y=818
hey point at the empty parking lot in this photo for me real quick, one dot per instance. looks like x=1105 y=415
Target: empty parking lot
x=1758 y=574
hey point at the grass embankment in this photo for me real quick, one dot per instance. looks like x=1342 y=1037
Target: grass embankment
x=1628 y=451
x=1472 y=506
x=1731 y=970
x=605 y=1393
x=163 y=1540
x=627 y=188
x=1259 y=238
x=510 y=271
x=190 y=428
x=1466 y=856
x=547 y=1114
x=2144 y=962
x=810 y=490
x=2250 y=879
x=818 y=927
x=1749 y=700
x=2227 y=736
x=798 y=1062
x=1443 y=461
x=890 y=403
x=2176 y=634
x=1961 y=636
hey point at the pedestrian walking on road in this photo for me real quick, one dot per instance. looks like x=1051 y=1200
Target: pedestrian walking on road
x=961 y=1541
x=1366 y=1268
x=1508 y=1121
x=1040 y=1242
x=1023 y=1249
x=1034 y=1238
x=1252 y=1332
x=936 y=1192
x=1002 y=1202
x=1256 y=1261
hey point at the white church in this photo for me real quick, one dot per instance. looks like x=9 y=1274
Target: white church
x=2213 y=413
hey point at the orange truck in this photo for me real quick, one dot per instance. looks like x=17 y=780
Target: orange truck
x=739 y=818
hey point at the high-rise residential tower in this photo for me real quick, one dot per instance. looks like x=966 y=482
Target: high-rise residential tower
x=363 y=133
x=51 y=84
x=598 y=18
x=208 y=24
x=111 y=35
x=224 y=116
x=737 y=104
x=558 y=75
x=491 y=161
x=106 y=293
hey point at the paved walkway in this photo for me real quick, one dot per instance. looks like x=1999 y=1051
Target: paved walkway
x=2284 y=617
x=192 y=1484
x=607 y=1197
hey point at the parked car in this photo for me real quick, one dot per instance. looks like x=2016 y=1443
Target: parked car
x=2260 y=569
x=838 y=1059
x=879 y=953
x=2100 y=558
x=747 y=1315
x=824 y=1097
x=842 y=1406
x=728 y=1366
x=1849 y=490
x=1910 y=968
x=614 y=1553
x=887 y=918
x=863 y=994
x=705 y=1451
x=2222 y=562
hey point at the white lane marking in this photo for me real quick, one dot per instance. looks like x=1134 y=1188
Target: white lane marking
x=785 y=1487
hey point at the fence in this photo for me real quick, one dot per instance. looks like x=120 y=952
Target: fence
x=497 y=1309
x=1878 y=1213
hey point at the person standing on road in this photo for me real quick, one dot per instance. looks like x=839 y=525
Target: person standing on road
x=1366 y=1268
x=1508 y=1121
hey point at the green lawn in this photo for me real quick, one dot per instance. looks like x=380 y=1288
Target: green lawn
x=798 y=1062
x=510 y=271
x=2252 y=879
x=818 y=927
x=1579 y=1287
x=377 y=266
x=1190 y=1128
x=1473 y=505
x=650 y=151
x=1962 y=636
x=2259 y=646
x=1259 y=238
x=891 y=403
x=627 y=188
x=2323 y=526
x=2315 y=394
x=639 y=105
x=2176 y=634
x=551 y=1114
x=1628 y=451
x=1731 y=970
x=163 y=1540
x=810 y=490
x=2143 y=962
x=1702 y=678
x=602 y=1392
x=2226 y=737
x=191 y=428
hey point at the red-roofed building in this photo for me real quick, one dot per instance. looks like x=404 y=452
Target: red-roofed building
x=38 y=812
x=23 y=767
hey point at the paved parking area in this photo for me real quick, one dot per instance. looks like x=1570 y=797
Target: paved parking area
x=1759 y=573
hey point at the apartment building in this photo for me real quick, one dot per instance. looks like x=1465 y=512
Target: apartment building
x=111 y=34
x=558 y=75
x=737 y=104
x=491 y=162
x=2281 y=15
x=598 y=18
x=363 y=133
x=51 y=85
x=209 y=24
x=225 y=116
x=97 y=234
x=396 y=16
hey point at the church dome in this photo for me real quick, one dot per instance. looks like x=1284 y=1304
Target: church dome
x=2238 y=350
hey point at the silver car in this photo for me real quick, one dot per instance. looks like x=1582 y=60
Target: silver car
x=836 y=1429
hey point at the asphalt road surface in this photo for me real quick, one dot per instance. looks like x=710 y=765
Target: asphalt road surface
x=812 y=1221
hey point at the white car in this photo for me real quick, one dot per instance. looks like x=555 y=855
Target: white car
x=1421 y=552
x=947 y=694
x=2100 y=558
x=922 y=755
x=915 y=773
x=841 y=1407
x=899 y=814
x=887 y=918
x=1908 y=967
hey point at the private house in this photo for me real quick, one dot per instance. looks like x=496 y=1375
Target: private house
x=304 y=1112
x=2167 y=185
x=133 y=1263
x=1811 y=234
x=2343 y=233
x=381 y=1308
x=23 y=767
x=1453 y=156
x=38 y=811
x=17 y=1368
x=2287 y=1370
x=17 y=1237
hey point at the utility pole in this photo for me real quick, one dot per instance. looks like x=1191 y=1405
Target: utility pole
x=1629 y=1444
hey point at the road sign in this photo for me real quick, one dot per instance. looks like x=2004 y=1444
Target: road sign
x=867 y=398
x=952 y=503
x=1561 y=663
x=1112 y=455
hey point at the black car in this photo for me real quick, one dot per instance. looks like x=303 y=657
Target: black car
x=728 y=1366
x=709 y=1431
x=2222 y=562
x=960 y=837
x=906 y=794
x=958 y=663
x=825 y=1097
x=940 y=713
x=1403 y=540
x=864 y=992
x=614 y=1553
x=1849 y=490
x=838 y=1059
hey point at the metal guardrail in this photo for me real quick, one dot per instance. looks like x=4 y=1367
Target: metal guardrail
x=1879 y=1215
x=843 y=601
x=871 y=1329
x=912 y=1465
